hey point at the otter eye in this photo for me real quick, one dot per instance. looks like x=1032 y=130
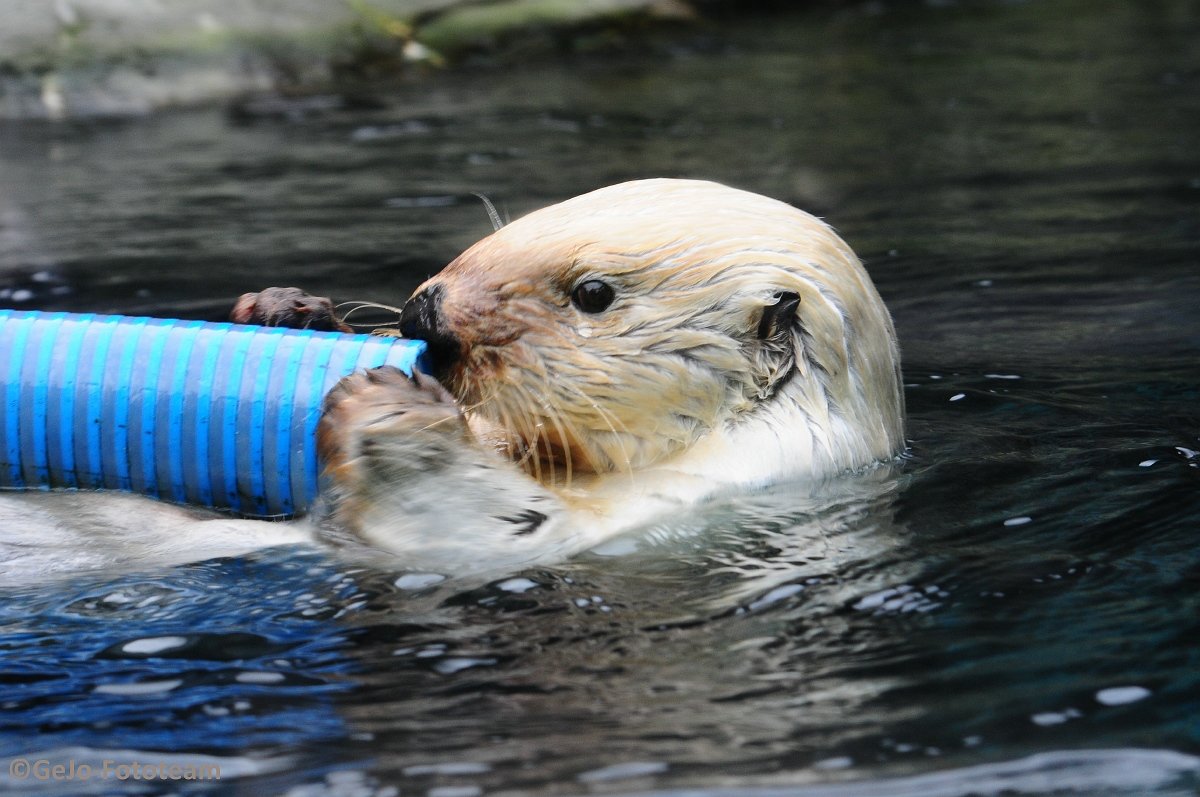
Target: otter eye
x=593 y=296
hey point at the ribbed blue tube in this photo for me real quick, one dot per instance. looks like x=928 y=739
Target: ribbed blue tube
x=220 y=415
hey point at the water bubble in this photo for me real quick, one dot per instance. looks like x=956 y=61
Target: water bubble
x=259 y=677
x=1120 y=695
x=1049 y=718
x=455 y=791
x=629 y=769
x=903 y=598
x=116 y=597
x=138 y=688
x=452 y=665
x=151 y=645
x=432 y=651
x=517 y=585
x=448 y=768
x=413 y=581
x=409 y=127
x=776 y=595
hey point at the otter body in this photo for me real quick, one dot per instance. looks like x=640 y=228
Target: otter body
x=598 y=364
x=609 y=359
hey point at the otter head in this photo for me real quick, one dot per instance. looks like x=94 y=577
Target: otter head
x=618 y=329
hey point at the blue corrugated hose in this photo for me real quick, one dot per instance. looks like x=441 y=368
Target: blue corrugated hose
x=220 y=415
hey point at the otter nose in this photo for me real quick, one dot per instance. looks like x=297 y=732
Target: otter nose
x=422 y=319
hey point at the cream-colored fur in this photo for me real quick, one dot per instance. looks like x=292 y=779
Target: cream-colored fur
x=590 y=423
x=563 y=428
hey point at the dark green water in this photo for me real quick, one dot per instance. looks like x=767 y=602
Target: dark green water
x=1015 y=611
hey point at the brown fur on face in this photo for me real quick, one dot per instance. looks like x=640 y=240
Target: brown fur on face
x=676 y=356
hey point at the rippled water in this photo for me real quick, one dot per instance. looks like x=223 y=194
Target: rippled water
x=1014 y=610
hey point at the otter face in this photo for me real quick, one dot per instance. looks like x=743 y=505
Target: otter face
x=615 y=330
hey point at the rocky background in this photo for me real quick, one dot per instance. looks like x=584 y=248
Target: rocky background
x=73 y=58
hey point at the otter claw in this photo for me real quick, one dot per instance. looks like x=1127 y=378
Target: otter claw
x=287 y=307
x=432 y=386
x=386 y=391
x=411 y=419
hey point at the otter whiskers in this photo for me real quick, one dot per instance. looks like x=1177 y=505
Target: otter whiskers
x=609 y=420
x=493 y=216
x=557 y=420
x=356 y=306
x=539 y=439
x=522 y=442
x=629 y=352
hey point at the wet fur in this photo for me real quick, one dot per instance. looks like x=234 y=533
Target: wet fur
x=695 y=379
x=558 y=428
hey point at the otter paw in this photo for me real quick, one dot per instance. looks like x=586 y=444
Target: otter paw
x=385 y=419
x=400 y=467
x=287 y=307
x=390 y=391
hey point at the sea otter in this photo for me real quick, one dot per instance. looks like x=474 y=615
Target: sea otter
x=604 y=361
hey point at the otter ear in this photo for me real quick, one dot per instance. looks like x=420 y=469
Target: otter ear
x=778 y=318
x=775 y=354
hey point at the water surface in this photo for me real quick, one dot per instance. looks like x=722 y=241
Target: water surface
x=1014 y=610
